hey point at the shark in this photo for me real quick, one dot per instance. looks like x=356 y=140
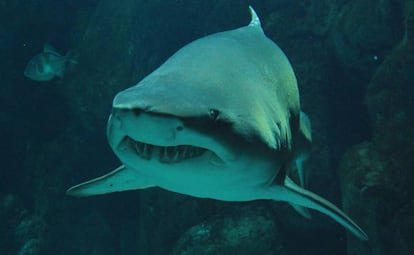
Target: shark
x=219 y=119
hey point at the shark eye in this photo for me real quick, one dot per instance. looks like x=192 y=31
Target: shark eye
x=213 y=114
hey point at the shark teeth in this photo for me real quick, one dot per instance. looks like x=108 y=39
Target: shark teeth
x=144 y=150
x=166 y=154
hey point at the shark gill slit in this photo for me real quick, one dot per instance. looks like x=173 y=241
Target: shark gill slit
x=165 y=154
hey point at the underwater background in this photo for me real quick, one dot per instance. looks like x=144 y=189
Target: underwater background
x=354 y=61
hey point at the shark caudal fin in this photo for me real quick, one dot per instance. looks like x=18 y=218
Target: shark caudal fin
x=120 y=179
x=293 y=194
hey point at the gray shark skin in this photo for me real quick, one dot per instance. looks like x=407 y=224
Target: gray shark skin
x=219 y=119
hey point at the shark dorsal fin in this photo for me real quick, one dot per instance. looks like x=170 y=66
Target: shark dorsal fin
x=255 y=21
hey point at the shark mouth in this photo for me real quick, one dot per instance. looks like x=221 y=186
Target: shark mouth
x=165 y=154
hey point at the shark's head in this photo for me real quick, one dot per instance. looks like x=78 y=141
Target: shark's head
x=218 y=106
x=189 y=154
x=137 y=135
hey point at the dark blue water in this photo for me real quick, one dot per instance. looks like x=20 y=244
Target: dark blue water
x=354 y=64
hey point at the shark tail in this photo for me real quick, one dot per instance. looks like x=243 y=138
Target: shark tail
x=294 y=194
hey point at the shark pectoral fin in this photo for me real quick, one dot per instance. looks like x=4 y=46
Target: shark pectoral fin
x=292 y=193
x=120 y=179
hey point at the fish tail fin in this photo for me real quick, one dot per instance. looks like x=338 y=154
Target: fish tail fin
x=292 y=193
x=71 y=57
x=60 y=73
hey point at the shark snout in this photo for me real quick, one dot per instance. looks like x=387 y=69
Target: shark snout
x=157 y=129
x=161 y=130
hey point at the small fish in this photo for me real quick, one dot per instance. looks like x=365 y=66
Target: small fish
x=48 y=64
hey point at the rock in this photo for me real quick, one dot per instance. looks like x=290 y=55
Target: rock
x=390 y=100
x=364 y=176
x=403 y=227
x=22 y=232
x=377 y=177
x=31 y=247
x=376 y=194
x=364 y=32
x=247 y=232
x=11 y=213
